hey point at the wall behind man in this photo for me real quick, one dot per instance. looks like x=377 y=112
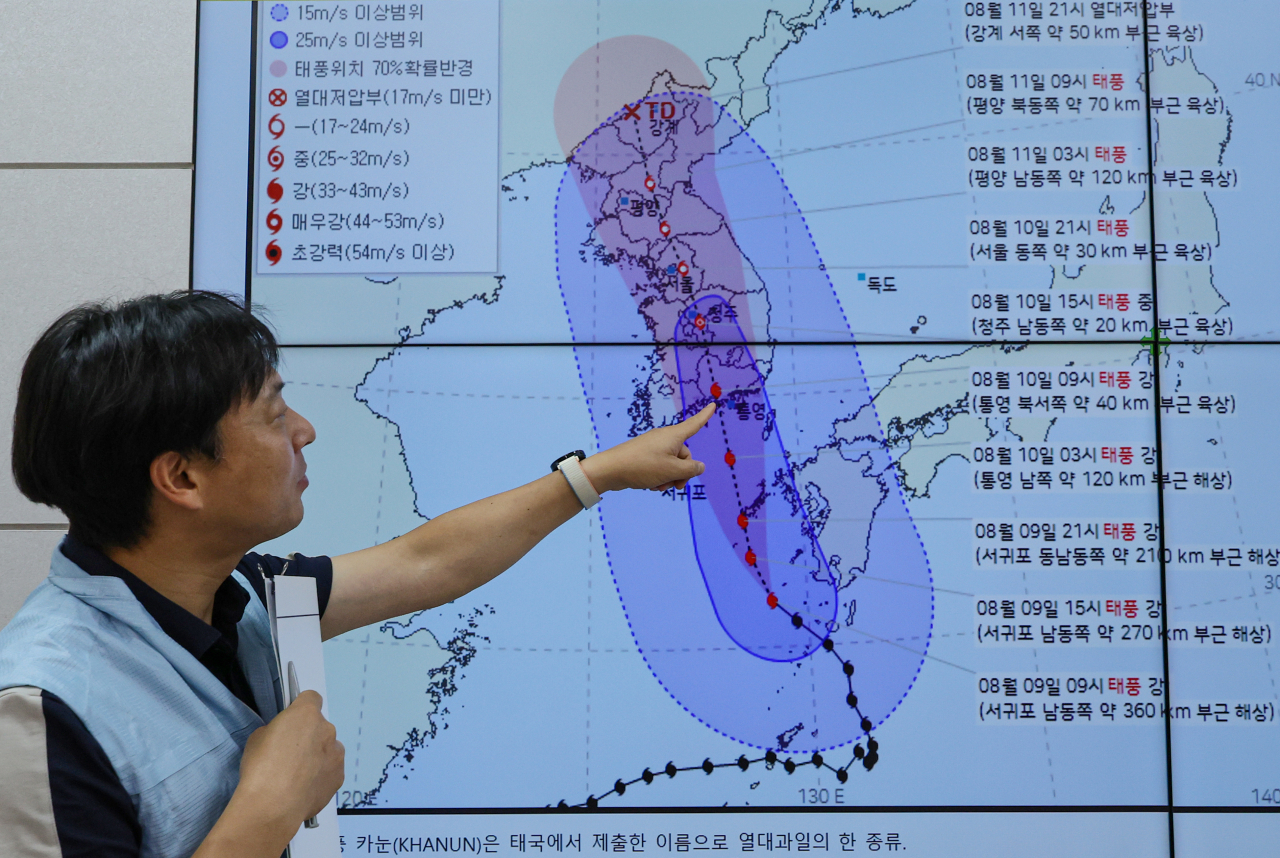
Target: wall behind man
x=96 y=119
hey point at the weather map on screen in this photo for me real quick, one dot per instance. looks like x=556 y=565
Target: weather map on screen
x=982 y=557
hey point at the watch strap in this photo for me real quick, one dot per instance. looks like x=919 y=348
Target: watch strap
x=572 y=470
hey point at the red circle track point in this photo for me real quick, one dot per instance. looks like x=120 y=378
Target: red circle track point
x=729 y=458
x=715 y=390
x=699 y=322
x=743 y=521
x=773 y=600
x=750 y=557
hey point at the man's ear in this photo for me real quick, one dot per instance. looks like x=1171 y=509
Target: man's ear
x=176 y=480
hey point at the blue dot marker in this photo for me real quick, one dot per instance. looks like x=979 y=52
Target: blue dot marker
x=279 y=39
x=671 y=269
x=279 y=12
x=626 y=201
x=861 y=277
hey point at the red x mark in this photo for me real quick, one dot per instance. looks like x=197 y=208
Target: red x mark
x=629 y=111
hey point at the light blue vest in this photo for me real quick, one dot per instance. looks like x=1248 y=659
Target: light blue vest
x=173 y=732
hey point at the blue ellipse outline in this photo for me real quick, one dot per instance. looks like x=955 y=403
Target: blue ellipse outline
x=874 y=411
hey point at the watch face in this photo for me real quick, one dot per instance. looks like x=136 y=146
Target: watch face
x=576 y=454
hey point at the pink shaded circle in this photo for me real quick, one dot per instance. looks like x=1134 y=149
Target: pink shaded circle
x=279 y=68
x=615 y=72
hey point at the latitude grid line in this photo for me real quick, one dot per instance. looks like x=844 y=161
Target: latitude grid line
x=916 y=343
x=1189 y=810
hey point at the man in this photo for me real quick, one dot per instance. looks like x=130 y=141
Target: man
x=139 y=702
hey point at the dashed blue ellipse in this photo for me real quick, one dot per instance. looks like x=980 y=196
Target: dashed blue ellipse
x=279 y=12
x=797 y=702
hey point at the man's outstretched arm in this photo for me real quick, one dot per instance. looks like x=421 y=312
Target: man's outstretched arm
x=456 y=552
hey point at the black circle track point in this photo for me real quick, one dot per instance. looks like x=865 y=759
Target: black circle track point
x=869 y=755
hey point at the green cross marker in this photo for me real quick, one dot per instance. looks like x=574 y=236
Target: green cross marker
x=1156 y=342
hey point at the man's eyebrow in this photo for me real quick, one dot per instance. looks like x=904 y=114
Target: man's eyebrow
x=277 y=387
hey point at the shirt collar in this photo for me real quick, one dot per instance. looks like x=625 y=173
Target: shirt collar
x=186 y=629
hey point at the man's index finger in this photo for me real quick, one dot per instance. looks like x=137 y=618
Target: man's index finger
x=691 y=426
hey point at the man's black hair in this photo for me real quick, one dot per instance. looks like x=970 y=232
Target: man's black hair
x=107 y=388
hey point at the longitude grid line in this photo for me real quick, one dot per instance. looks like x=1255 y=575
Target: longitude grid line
x=1148 y=64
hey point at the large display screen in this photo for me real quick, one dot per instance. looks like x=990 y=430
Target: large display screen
x=985 y=558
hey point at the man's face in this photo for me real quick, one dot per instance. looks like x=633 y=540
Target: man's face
x=255 y=490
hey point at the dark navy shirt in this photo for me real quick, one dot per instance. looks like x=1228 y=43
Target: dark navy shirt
x=93 y=814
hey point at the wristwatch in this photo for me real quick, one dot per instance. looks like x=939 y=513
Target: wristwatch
x=570 y=464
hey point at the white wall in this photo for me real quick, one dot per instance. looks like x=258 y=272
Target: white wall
x=96 y=118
